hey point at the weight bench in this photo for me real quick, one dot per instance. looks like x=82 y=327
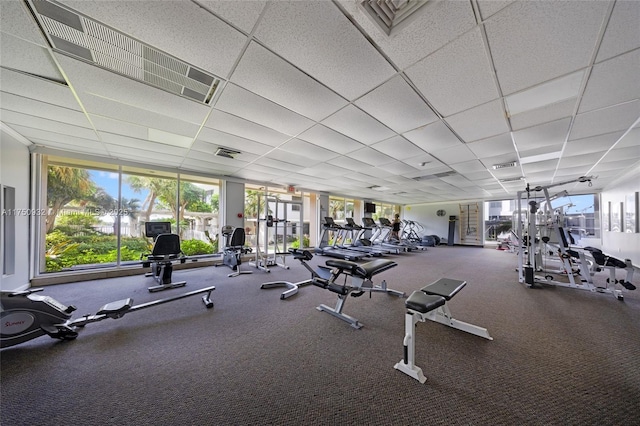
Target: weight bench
x=322 y=273
x=430 y=303
x=361 y=275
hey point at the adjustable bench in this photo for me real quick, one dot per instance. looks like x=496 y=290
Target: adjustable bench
x=322 y=273
x=430 y=303
x=361 y=275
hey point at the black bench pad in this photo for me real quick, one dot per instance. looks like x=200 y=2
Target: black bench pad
x=423 y=303
x=445 y=287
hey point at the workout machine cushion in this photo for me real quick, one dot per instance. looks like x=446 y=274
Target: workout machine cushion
x=343 y=265
x=301 y=254
x=116 y=307
x=445 y=287
x=369 y=269
x=423 y=303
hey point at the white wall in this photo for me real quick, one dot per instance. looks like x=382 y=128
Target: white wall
x=425 y=214
x=622 y=245
x=14 y=172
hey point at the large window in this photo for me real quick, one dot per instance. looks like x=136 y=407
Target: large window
x=96 y=213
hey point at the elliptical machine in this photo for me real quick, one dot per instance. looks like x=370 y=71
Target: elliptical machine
x=26 y=315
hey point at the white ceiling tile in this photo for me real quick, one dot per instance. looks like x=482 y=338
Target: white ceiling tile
x=91 y=147
x=480 y=177
x=148 y=157
x=432 y=137
x=542 y=115
x=323 y=43
x=540 y=167
x=541 y=153
x=465 y=167
x=293 y=159
x=397 y=105
x=456 y=77
x=436 y=25
x=323 y=170
x=351 y=165
x=41 y=110
x=456 y=154
x=522 y=34
x=110 y=125
x=580 y=160
x=356 y=124
x=398 y=148
x=36 y=88
x=238 y=101
x=269 y=76
x=497 y=145
x=630 y=139
x=46 y=136
x=228 y=123
x=25 y=56
x=142 y=145
x=490 y=7
x=330 y=139
x=480 y=122
x=592 y=144
x=370 y=156
x=547 y=93
x=243 y=15
x=16 y=118
x=542 y=135
x=92 y=82
x=613 y=82
x=619 y=154
x=622 y=33
x=16 y=20
x=177 y=28
x=309 y=150
x=213 y=168
x=215 y=139
x=608 y=120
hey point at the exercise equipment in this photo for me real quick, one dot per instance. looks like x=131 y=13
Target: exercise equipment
x=361 y=281
x=325 y=249
x=26 y=315
x=322 y=273
x=234 y=249
x=430 y=303
x=166 y=250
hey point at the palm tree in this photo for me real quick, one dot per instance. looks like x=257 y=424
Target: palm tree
x=65 y=184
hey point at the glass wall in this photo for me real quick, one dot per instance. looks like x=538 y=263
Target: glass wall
x=97 y=213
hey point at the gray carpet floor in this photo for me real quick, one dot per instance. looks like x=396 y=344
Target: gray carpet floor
x=559 y=356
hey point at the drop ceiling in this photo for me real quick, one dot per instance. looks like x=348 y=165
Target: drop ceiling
x=315 y=94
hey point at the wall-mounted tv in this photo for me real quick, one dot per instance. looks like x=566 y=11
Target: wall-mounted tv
x=369 y=208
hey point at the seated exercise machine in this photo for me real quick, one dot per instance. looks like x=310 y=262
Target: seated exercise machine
x=611 y=263
x=322 y=273
x=430 y=303
x=166 y=250
x=361 y=275
x=234 y=249
x=26 y=316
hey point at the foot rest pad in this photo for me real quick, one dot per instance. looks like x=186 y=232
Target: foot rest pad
x=116 y=307
x=423 y=303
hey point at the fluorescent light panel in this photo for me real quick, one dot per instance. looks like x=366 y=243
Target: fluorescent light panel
x=544 y=94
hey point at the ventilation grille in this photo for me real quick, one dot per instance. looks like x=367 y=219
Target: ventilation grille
x=504 y=165
x=227 y=152
x=392 y=16
x=83 y=38
x=434 y=176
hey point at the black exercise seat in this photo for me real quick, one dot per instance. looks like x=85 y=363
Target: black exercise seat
x=166 y=247
x=364 y=270
x=445 y=287
x=421 y=302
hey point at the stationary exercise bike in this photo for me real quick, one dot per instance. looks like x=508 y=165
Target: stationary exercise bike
x=166 y=250
x=26 y=315
x=234 y=248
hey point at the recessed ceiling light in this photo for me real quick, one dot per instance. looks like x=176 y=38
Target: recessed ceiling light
x=544 y=94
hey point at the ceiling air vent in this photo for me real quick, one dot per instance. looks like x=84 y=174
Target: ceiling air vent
x=227 y=153
x=513 y=179
x=392 y=16
x=504 y=165
x=83 y=38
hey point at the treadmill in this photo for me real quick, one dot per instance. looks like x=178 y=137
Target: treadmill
x=357 y=245
x=368 y=224
x=333 y=250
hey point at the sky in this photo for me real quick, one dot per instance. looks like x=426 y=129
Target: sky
x=109 y=182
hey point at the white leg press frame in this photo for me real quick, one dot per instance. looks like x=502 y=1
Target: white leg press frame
x=430 y=303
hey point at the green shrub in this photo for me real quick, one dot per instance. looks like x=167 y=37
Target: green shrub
x=194 y=247
x=296 y=243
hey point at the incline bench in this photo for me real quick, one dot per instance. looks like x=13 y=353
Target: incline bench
x=430 y=303
x=361 y=275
